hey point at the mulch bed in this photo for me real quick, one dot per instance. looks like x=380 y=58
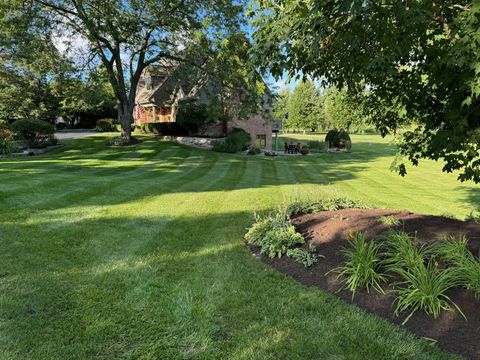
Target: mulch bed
x=329 y=231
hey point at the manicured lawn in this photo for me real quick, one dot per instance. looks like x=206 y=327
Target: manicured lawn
x=139 y=253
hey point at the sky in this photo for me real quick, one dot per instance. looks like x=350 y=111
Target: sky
x=76 y=46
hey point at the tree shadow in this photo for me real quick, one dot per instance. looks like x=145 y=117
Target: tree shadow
x=85 y=169
x=167 y=287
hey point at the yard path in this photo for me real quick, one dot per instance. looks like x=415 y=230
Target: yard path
x=64 y=135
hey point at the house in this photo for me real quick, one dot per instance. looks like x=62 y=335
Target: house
x=160 y=91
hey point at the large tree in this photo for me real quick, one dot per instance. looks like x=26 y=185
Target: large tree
x=419 y=60
x=343 y=111
x=29 y=62
x=126 y=36
x=304 y=110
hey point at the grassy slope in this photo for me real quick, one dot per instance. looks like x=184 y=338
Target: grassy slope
x=114 y=253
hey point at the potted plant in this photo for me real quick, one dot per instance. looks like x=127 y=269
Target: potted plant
x=304 y=150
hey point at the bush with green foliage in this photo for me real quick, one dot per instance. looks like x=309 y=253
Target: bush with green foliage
x=363 y=265
x=273 y=234
x=423 y=287
x=6 y=140
x=237 y=141
x=338 y=139
x=192 y=117
x=167 y=129
x=305 y=256
x=34 y=133
x=105 y=125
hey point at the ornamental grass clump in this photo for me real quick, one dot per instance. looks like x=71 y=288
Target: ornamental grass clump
x=273 y=234
x=363 y=265
x=423 y=287
x=388 y=220
x=455 y=253
x=400 y=251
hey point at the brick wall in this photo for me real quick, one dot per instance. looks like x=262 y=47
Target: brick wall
x=256 y=125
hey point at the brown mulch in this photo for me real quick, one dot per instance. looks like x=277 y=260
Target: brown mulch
x=329 y=231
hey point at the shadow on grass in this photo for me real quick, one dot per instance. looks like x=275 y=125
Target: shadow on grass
x=86 y=169
x=167 y=287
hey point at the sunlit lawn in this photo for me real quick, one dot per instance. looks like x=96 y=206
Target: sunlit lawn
x=138 y=253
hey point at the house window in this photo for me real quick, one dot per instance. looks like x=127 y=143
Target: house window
x=261 y=141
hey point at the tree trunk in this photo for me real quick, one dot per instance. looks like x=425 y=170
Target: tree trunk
x=125 y=118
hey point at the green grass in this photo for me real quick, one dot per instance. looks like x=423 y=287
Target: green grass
x=138 y=253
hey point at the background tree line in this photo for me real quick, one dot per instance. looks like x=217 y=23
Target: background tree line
x=308 y=108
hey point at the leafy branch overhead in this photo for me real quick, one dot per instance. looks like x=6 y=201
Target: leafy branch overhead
x=419 y=60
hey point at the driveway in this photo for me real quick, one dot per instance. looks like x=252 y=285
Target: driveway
x=62 y=135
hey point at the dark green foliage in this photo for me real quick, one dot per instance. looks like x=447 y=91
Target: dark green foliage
x=273 y=234
x=237 y=141
x=423 y=287
x=105 y=125
x=192 y=117
x=363 y=265
x=419 y=62
x=34 y=133
x=338 y=139
x=167 y=129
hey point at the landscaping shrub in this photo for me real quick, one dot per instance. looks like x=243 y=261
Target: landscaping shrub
x=34 y=133
x=338 y=139
x=362 y=266
x=167 y=129
x=332 y=138
x=307 y=256
x=273 y=234
x=105 y=125
x=423 y=288
x=6 y=140
x=192 y=117
x=237 y=141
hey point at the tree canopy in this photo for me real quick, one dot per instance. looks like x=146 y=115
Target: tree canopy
x=419 y=60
